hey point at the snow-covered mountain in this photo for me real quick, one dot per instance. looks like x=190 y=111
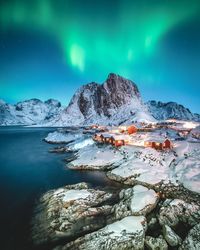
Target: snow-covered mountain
x=116 y=101
x=29 y=112
x=163 y=111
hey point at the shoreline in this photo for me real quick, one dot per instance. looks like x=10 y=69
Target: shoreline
x=163 y=193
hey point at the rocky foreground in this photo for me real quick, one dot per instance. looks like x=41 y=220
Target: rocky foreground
x=77 y=217
x=158 y=206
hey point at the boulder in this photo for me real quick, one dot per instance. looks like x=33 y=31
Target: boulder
x=124 y=234
x=138 y=200
x=69 y=212
x=171 y=237
x=155 y=243
x=192 y=241
x=178 y=211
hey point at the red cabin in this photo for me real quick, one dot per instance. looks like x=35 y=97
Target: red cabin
x=167 y=144
x=132 y=129
x=159 y=144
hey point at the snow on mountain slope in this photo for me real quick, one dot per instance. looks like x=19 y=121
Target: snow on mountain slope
x=29 y=112
x=117 y=101
x=164 y=111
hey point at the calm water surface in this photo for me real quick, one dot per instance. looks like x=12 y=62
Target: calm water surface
x=26 y=171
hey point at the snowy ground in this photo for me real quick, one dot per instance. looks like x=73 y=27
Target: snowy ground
x=61 y=137
x=144 y=165
x=154 y=179
x=75 y=195
x=80 y=143
x=186 y=170
x=94 y=157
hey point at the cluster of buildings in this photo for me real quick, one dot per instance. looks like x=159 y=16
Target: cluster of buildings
x=123 y=135
x=153 y=135
x=113 y=139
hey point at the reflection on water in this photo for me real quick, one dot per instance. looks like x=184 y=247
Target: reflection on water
x=26 y=171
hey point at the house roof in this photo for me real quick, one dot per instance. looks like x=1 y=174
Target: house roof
x=156 y=139
x=120 y=137
x=106 y=135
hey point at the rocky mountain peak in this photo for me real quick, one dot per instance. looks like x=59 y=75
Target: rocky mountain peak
x=116 y=100
x=118 y=84
x=53 y=102
x=162 y=111
x=102 y=99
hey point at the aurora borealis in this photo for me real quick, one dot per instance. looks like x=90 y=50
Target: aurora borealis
x=48 y=48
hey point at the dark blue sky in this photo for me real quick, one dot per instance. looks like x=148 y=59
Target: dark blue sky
x=50 y=48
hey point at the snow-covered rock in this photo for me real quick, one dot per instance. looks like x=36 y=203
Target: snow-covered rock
x=155 y=243
x=138 y=200
x=164 y=111
x=192 y=241
x=79 y=144
x=186 y=169
x=171 y=237
x=127 y=233
x=178 y=211
x=62 y=137
x=76 y=194
x=29 y=112
x=69 y=212
x=143 y=166
x=96 y=158
x=143 y=199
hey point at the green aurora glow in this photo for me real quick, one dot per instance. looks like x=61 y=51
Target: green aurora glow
x=61 y=44
x=112 y=36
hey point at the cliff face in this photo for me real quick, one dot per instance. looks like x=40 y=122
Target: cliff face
x=115 y=101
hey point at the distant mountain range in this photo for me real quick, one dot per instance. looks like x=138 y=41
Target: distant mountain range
x=163 y=111
x=116 y=101
x=29 y=112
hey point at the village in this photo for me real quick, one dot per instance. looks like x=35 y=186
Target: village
x=159 y=136
x=158 y=166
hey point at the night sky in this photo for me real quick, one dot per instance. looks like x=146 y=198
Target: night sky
x=48 y=48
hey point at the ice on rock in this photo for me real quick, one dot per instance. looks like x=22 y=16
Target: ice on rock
x=130 y=224
x=75 y=195
x=142 y=197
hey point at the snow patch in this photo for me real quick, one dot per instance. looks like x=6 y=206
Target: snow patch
x=142 y=197
x=58 y=137
x=76 y=195
x=130 y=224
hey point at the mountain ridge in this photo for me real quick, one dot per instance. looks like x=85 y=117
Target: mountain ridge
x=115 y=101
x=29 y=112
x=168 y=110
